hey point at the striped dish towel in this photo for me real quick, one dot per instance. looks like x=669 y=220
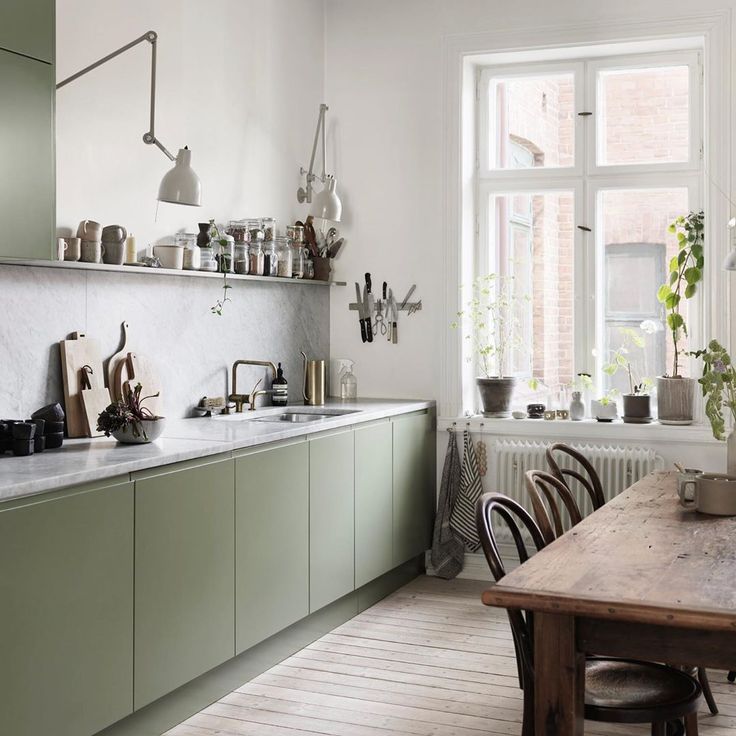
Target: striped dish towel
x=462 y=519
x=448 y=549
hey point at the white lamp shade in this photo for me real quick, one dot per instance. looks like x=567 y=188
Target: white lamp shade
x=326 y=204
x=729 y=262
x=181 y=185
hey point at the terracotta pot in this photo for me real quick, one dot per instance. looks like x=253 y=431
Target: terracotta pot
x=495 y=395
x=675 y=399
x=637 y=409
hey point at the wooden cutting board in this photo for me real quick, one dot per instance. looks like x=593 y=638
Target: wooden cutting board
x=117 y=362
x=142 y=369
x=94 y=401
x=76 y=352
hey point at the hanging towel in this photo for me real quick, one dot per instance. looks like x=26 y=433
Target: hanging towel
x=448 y=550
x=462 y=519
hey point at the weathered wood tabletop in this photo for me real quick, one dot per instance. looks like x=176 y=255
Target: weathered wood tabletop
x=641 y=577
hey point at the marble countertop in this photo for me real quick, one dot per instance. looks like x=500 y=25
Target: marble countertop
x=86 y=460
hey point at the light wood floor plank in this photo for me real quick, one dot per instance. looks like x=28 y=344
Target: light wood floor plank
x=428 y=660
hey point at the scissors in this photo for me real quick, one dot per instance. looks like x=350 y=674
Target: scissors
x=380 y=323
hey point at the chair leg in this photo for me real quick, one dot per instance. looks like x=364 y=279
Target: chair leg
x=527 y=725
x=732 y=676
x=659 y=729
x=707 y=693
x=691 y=725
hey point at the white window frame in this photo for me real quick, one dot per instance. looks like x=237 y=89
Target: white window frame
x=585 y=178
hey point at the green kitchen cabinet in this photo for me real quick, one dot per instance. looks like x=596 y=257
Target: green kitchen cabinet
x=26 y=156
x=184 y=573
x=414 y=484
x=271 y=541
x=66 y=611
x=331 y=518
x=373 y=502
x=27 y=27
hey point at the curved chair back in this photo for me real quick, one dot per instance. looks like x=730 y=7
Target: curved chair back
x=588 y=478
x=542 y=486
x=489 y=507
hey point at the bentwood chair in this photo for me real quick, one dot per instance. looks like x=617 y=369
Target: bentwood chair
x=584 y=472
x=616 y=690
x=544 y=487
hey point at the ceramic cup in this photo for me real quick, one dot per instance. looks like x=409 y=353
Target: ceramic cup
x=113 y=233
x=72 y=248
x=92 y=251
x=113 y=252
x=89 y=230
x=686 y=484
x=171 y=256
x=712 y=493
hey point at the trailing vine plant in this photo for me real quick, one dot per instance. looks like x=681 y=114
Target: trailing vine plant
x=219 y=305
x=686 y=271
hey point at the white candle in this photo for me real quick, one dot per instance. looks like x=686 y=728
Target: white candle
x=131 y=253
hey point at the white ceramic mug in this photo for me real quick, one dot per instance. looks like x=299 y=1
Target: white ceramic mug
x=92 y=251
x=72 y=248
x=686 y=482
x=713 y=493
x=89 y=230
x=60 y=248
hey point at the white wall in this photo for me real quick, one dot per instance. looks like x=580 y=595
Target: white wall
x=383 y=82
x=239 y=82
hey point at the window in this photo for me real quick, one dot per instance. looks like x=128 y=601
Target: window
x=580 y=168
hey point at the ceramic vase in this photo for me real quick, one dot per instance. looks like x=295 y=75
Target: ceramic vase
x=577 y=408
x=495 y=395
x=675 y=399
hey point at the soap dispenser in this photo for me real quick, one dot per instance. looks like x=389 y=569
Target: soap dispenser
x=348 y=384
x=280 y=388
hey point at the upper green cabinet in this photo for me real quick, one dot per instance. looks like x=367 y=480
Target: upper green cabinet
x=26 y=155
x=27 y=27
x=331 y=518
x=414 y=484
x=66 y=611
x=271 y=541
x=184 y=574
x=373 y=502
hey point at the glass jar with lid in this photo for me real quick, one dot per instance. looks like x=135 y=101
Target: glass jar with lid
x=192 y=258
x=270 y=259
x=283 y=250
x=295 y=233
x=225 y=253
x=297 y=261
x=255 y=230
x=255 y=250
x=268 y=225
x=242 y=258
x=207 y=260
x=239 y=230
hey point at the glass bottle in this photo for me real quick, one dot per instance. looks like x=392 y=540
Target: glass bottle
x=225 y=254
x=192 y=258
x=255 y=267
x=280 y=388
x=308 y=265
x=348 y=384
x=297 y=261
x=242 y=258
x=270 y=259
x=283 y=249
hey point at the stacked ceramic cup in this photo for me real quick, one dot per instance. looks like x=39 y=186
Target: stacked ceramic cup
x=90 y=233
x=113 y=244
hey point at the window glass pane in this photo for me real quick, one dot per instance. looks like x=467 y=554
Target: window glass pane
x=643 y=116
x=637 y=248
x=532 y=122
x=535 y=244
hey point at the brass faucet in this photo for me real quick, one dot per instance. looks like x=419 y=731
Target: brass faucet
x=255 y=394
x=241 y=399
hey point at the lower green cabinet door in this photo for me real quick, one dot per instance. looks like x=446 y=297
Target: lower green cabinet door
x=414 y=485
x=373 y=502
x=66 y=611
x=331 y=518
x=184 y=573
x=271 y=542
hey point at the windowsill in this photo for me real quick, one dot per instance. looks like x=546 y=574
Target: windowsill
x=588 y=429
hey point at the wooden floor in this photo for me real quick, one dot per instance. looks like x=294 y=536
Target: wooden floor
x=429 y=660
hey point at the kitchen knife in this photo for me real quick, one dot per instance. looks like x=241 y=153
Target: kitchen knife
x=394 y=318
x=408 y=295
x=363 y=335
x=371 y=300
x=367 y=314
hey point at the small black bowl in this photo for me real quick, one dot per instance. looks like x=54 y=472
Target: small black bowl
x=535 y=411
x=50 y=412
x=6 y=445
x=39 y=443
x=53 y=427
x=40 y=425
x=4 y=430
x=24 y=431
x=21 y=448
x=54 y=440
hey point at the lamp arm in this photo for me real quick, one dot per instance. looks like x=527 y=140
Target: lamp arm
x=151 y=37
x=311 y=176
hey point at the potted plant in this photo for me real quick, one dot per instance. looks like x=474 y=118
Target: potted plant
x=637 y=409
x=719 y=389
x=674 y=392
x=494 y=330
x=128 y=421
x=605 y=409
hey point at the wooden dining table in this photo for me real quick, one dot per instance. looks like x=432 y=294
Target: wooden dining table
x=641 y=577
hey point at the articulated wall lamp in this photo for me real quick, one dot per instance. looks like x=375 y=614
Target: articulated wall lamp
x=180 y=185
x=326 y=204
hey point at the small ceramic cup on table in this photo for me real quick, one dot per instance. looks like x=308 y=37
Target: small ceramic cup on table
x=92 y=251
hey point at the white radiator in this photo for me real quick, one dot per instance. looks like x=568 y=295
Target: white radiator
x=618 y=467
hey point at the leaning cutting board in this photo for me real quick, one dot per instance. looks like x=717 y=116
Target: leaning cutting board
x=76 y=352
x=142 y=369
x=117 y=362
x=95 y=399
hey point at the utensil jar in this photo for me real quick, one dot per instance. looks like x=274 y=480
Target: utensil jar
x=314 y=381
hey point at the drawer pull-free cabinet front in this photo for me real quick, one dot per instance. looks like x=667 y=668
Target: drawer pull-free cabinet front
x=414 y=485
x=27 y=27
x=184 y=576
x=331 y=519
x=66 y=613
x=373 y=502
x=271 y=542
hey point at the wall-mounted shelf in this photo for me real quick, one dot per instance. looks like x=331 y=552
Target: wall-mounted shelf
x=141 y=270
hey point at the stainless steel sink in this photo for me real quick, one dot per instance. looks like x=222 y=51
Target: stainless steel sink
x=302 y=417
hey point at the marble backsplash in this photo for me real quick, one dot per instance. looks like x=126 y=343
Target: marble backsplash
x=170 y=322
